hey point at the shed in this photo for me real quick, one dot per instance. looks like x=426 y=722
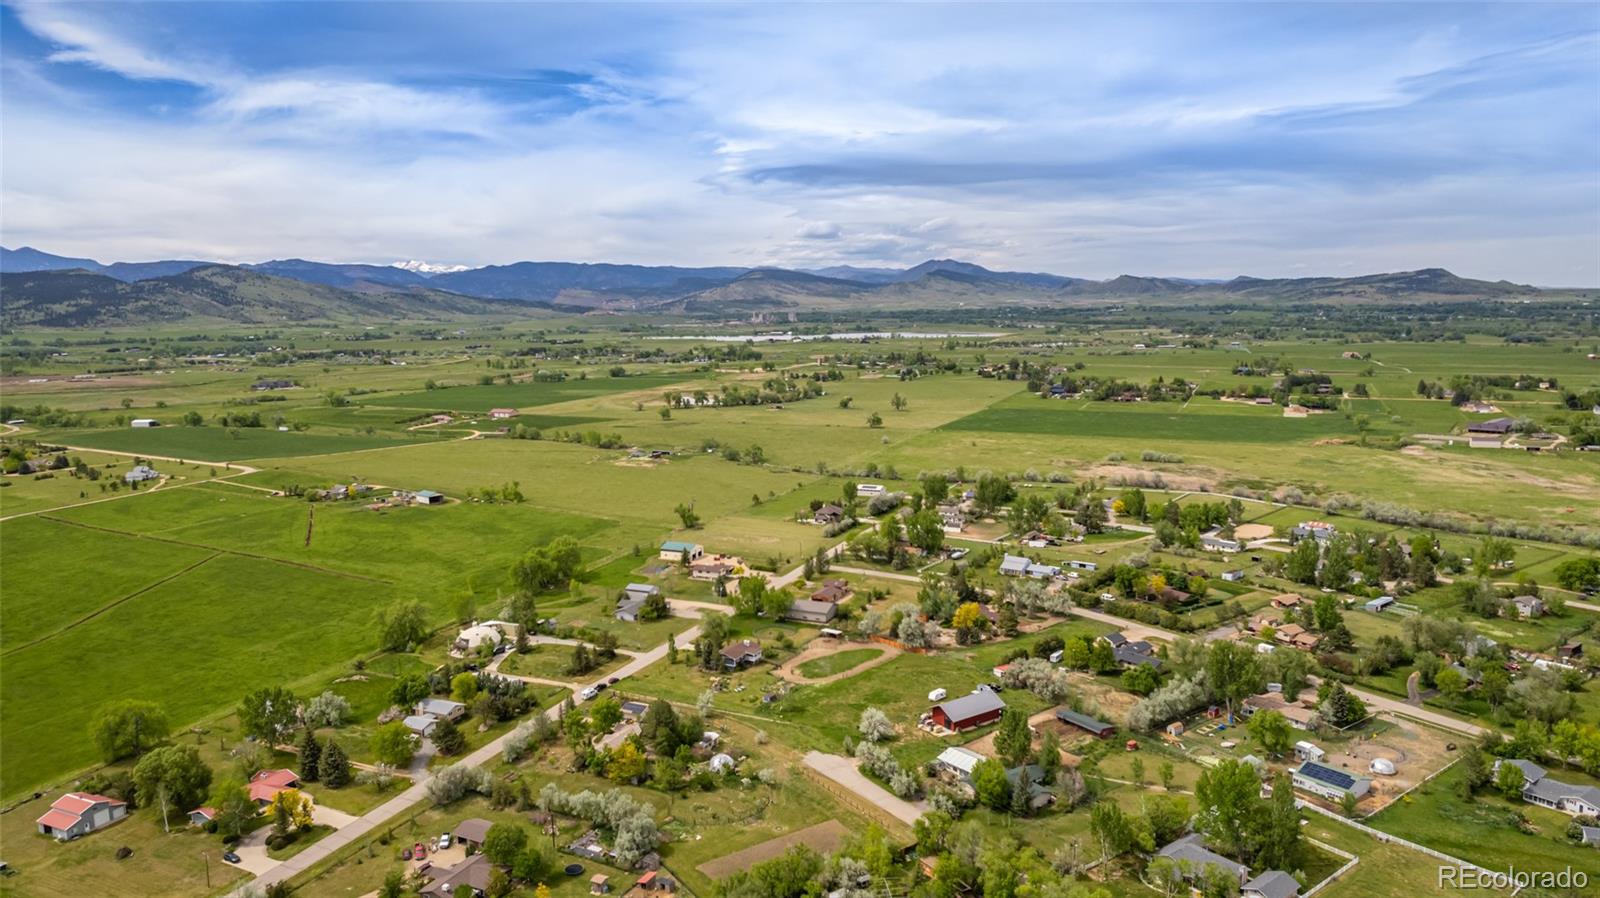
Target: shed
x=811 y=612
x=472 y=831
x=1098 y=728
x=428 y=497
x=1380 y=603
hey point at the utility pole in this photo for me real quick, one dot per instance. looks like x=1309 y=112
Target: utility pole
x=207 y=859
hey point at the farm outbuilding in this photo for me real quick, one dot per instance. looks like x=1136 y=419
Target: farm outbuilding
x=978 y=709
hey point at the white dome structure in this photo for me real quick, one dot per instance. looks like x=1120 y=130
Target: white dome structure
x=1382 y=766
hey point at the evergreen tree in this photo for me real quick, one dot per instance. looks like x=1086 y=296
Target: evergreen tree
x=448 y=738
x=334 y=765
x=310 y=756
x=1019 y=795
x=1013 y=741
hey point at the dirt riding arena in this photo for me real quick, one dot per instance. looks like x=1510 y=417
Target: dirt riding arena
x=822 y=648
x=823 y=838
x=1415 y=750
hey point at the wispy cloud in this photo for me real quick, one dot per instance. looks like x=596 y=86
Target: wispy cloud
x=1085 y=139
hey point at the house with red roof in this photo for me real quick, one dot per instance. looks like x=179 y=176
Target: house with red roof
x=266 y=785
x=80 y=813
x=201 y=816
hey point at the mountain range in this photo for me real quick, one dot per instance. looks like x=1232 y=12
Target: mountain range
x=44 y=289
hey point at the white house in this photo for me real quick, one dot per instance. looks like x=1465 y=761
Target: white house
x=140 y=474
x=1542 y=790
x=959 y=761
x=475 y=636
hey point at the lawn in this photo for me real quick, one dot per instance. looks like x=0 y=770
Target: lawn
x=1483 y=830
x=1156 y=422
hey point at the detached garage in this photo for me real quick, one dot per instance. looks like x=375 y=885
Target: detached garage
x=978 y=709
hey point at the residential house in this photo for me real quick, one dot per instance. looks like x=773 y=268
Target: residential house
x=828 y=514
x=1014 y=565
x=140 y=474
x=1098 y=728
x=953 y=518
x=641 y=591
x=1539 y=789
x=714 y=567
x=201 y=816
x=1271 y=884
x=420 y=724
x=1191 y=852
x=975 y=710
x=1329 y=782
x=500 y=414
x=80 y=813
x=1043 y=571
x=1297 y=636
x=471 y=832
x=1318 y=530
x=1232 y=576
x=678 y=551
x=443 y=709
x=1497 y=426
x=832 y=591
x=1171 y=595
x=740 y=654
x=1528 y=607
x=1213 y=542
x=958 y=761
x=266 y=785
x=472 y=873
x=1589 y=835
x=1299 y=716
x=811 y=611
x=1039 y=795
x=1289 y=600
x=1138 y=653
x=470 y=639
x=1116 y=639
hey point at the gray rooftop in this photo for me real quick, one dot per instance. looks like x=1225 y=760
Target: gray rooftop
x=1274 y=884
x=968 y=706
x=1192 y=849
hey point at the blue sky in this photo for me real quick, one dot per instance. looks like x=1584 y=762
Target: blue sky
x=1092 y=140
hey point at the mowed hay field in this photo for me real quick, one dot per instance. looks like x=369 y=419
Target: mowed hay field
x=481 y=398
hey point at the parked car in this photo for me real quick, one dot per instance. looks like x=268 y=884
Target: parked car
x=230 y=857
x=419 y=851
x=444 y=841
x=612 y=681
x=405 y=855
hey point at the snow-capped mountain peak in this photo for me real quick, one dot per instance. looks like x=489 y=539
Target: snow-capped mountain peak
x=428 y=267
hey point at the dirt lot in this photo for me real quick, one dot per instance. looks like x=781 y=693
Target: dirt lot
x=1415 y=750
x=823 y=838
x=1252 y=531
x=1112 y=702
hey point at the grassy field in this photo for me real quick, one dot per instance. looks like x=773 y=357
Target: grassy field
x=218 y=444
x=827 y=666
x=195 y=642
x=1484 y=830
x=526 y=395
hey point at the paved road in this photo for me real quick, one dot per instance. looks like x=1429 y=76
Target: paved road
x=783 y=580
x=394 y=807
x=843 y=771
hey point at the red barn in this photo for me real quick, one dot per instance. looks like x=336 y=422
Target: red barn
x=978 y=709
